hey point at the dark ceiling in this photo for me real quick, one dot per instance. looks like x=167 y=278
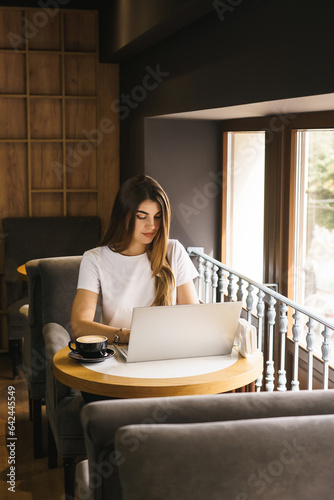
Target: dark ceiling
x=128 y=27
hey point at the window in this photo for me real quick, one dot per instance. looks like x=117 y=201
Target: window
x=244 y=202
x=314 y=223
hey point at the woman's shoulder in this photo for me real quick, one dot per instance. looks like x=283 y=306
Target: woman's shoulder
x=98 y=253
x=174 y=243
x=174 y=247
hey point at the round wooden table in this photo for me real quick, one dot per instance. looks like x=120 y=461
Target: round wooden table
x=22 y=272
x=78 y=376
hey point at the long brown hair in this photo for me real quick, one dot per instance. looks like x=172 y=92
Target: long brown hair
x=121 y=226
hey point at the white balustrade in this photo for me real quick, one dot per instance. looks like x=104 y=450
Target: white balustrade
x=260 y=314
x=214 y=282
x=310 y=347
x=219 y=283
x=283 y=328
x=230 y=287
x=295 y=337
x=325 y=348
x=270 y=371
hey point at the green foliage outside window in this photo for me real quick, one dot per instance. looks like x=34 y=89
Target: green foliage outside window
x=321 y=179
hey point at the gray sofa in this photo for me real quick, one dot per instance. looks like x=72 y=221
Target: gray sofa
x=229 y=446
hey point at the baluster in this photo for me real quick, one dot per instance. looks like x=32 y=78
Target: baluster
x=260 y=315
x=283 y=327
x=325 y=350
x=221 y=285
x=200 y=270
x=249 y=302
x=295 y=336
x=230 y=287
x=207 y=275
x=240 y=292
x=270 y=363
x=310 y=346
x=214 y=282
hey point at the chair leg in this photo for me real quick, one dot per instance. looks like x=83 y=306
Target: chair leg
x=69 y=477
x=15 y=351
x=30 y=407
x=52 y=449
x=37 y=428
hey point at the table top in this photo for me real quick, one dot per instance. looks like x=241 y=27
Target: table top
x=22 y=272
x=81 y=376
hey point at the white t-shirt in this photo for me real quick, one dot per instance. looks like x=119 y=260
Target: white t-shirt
x=126 y=281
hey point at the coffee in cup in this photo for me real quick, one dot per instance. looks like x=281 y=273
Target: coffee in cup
x=90 y=346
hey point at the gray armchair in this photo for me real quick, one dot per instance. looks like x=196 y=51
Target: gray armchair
x=58 y=280
x=28 y=238
x=119 y=462
x=277 y=458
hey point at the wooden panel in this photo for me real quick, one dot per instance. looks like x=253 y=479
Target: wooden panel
x=45 y=118
x=12 y=74
x=80 y=118
x=2 y=255
x=3 y=317
x=224 y=199
x=81 y=165
x=43 y=29
x=45 y=74
x=47 y=204
x=80 y=31
x=13 y=169
x=80 y=75
x=108 y=121
x=91 y=159
x=11 y=29
x=46 y=165
x=13 y=118
x=81 y=204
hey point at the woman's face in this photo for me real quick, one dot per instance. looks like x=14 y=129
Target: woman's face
x=147 y=224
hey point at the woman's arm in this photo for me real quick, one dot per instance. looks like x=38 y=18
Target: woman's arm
x=186 y=294
x=82 y=318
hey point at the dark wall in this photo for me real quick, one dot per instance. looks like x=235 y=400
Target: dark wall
x=263 y=50
x=258 y=50
x=138 y=24
x=182 y=155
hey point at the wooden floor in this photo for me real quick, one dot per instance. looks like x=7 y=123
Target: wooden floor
x=33 y=478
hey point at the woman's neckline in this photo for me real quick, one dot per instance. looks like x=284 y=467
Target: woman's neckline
x=132 y=254
x=128 y=254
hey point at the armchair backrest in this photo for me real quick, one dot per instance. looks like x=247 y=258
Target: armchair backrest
x=101 y=421
x=59 y=279
x=276 y=458
x=52 y=286
x=28 y=238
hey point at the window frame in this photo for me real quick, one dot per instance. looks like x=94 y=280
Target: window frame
x=280 y=188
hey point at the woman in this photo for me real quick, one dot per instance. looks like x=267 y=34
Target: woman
x=135 y=265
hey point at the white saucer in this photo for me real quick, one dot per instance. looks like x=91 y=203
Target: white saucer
x=78 y=357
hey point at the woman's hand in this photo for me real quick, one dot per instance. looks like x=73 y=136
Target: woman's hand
x=124 y=334
x=82 y=319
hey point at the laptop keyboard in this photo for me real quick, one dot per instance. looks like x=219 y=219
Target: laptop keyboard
x=123 y=350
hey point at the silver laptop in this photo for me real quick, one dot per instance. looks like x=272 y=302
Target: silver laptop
x=181 y=331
